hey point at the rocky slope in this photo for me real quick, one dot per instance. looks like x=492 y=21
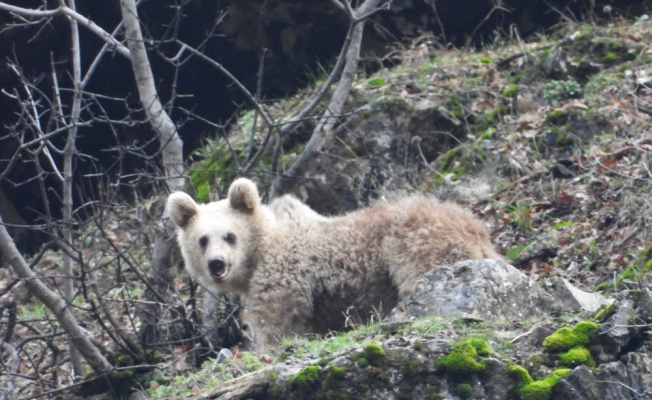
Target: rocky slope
x=550 y=142
x=547 y=140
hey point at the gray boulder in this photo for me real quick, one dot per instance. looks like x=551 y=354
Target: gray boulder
x=486 y=290
x=628 y=378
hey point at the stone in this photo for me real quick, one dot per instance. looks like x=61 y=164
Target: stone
x=573 y=298
x=626 y=379
x=615 y=334
x=645 y=306
x=488 y=290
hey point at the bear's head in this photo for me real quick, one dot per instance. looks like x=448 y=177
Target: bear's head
x=219 y=240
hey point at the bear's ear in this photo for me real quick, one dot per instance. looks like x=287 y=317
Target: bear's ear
x=243 y=195
x=181 y=208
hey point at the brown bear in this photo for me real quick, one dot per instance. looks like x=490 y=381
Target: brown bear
x=300 y=272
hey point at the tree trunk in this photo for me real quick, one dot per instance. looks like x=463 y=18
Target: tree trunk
x=171 y=148
x=69 y=152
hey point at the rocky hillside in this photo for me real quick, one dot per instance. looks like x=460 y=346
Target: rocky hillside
x=548 y=140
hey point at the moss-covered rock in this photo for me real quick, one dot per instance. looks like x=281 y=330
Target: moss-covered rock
x=520 y=375
x=537 y=390
x=529 y=389
x=306 y=377
x=463 y=359
x=334 y=376
x=464 y=390
x=565 y=338
x=604 y=313
x=576 y=356
x=373 y=353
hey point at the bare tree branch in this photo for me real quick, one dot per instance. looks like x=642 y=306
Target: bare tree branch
x=324 y=131
x=55 y=303
x=65 y=10
x=252 y=99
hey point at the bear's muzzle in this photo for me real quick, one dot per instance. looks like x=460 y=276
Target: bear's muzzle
x=217 y=268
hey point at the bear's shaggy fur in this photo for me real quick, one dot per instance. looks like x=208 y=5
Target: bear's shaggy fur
x=299 y=271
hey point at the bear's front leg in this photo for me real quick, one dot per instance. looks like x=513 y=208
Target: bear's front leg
x=275 y=315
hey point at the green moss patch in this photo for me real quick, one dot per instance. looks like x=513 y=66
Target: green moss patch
x=529 y=389
x=576 y=356
x=565 y=338
x=604 y=313
x=376 y=82
x=373 y=353
x=520 y=374
x=306 y=377
x=335 y=376
x=537 y=390
x=464 y=358
x=511 y=90
x=464 y=390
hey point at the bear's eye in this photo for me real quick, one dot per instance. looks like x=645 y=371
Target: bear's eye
x=203 y=242
x=229 y=238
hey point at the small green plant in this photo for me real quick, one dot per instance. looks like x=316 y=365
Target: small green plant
x=511 y=90
x=182 y=386
x=246 y=121
x=610 y=56
x=376 y=82
x=520 y=214
x=514 y=252
x=555 y=91
x=425 y=326
x=561 y=225
x=636 y=270
x=599 y=82
x=464 y=159
x=249 y=362
x=324 y=347
x=33 y=311
x=488 y=133
x=216 y=167
x=490 y=118
x=455 y=108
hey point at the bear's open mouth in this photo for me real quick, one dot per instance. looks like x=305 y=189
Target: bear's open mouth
x=219 y=275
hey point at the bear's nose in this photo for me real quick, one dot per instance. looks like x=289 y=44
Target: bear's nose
x=217 y=267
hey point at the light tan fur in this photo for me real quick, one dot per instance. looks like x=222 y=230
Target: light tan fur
x=299 y=271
